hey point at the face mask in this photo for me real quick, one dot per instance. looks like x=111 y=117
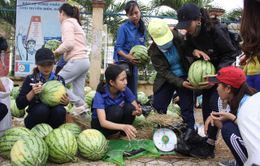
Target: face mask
x=164 y=48
x=197 y=31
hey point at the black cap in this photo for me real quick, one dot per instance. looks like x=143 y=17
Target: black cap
x=44 y=56
x=186 y=14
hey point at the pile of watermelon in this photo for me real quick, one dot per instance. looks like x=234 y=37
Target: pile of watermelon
x=140 y=53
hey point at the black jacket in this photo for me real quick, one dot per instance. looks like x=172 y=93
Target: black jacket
x=162 y=66
x=216 y=43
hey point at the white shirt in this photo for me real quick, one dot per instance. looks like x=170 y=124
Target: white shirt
x=248 y=120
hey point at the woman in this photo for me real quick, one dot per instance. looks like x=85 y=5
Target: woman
x=114 y=105
x=171 y=65
x=210 y=41
x=249 y=31
x=32 y=86
x=232 y=87
x=129 y=34
x=74 y=50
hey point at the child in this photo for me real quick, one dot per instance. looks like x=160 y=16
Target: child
x=32 y=86
x=114 y=105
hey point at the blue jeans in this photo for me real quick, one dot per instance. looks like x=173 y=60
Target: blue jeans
x=41 y=113
x=234 y=141
x=254 y=82
x=163 y=97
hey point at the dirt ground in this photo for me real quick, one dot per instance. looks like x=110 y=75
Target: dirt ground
x=222 y=152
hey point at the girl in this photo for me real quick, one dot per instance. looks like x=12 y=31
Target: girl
x=129 y=34
x=114 y=105
x=251 y=41
x=207 y=40
x=32 y=86
x=75 y=53
x=232 y=87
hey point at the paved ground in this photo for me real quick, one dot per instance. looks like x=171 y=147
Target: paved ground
x=222 y=152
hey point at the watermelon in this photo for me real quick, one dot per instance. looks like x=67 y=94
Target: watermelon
x=42 y=130
x=198 y=70
x=10 y=137
x=141 y=54
x=62 y=146
x=72 y=127
x=15 y=111
x=29 y=151
x=15 y=92
x=87 y=89
x=174 y=110
x=89 y=97
x=52 y=93
x=142 y=98
x=92 y=144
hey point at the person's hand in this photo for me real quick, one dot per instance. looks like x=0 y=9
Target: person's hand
x=138 y=111
x=64 y=99
x=206 y=85
x=130 y=131
x=222 y=116
x=208 y=122
x=132 y=59
x=187 y=84
x=37 y=88
x=198 y=54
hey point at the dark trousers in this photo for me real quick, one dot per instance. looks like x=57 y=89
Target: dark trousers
x=132 y=81
x=41 y=113
x=116 y=114
x=209 y=104
x=234 y=141
x=164 y=95
x=3 y=111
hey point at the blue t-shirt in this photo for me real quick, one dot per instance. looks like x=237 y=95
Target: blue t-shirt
x=104 y=100
x=128 y=36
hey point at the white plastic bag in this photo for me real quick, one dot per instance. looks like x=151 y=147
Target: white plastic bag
x=6 y=123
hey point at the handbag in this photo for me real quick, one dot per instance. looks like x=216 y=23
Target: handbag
x=126 y=66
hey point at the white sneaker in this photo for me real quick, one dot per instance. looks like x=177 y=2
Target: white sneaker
x=80 y=110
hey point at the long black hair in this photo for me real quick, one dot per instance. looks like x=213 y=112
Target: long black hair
x=129 y=7
x=111 y=73
x=71 y=11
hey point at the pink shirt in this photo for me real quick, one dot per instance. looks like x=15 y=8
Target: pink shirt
x=73 y=40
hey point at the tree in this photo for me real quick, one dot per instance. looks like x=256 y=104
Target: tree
x=7 y=11
x=234 y=15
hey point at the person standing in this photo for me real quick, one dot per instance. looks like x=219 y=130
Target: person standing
x=249 y=31
x=129 y=34
x=74 y=50
x=209 y=41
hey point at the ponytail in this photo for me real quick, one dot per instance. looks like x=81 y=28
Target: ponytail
x=71 y=11
x=76 y=14
x=101 y=87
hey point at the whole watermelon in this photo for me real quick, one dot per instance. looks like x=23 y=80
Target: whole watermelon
x=42 y=130
x=52 y=93
x=87 y=89
x=29 y=151
x=72 y=127
x=15 y=92
x=15 y=111
x=141 y=54
x=89 y=97
x=62 y=146
x=10 y=137
x=92 y=144
x=198 y=70
x=142 y=98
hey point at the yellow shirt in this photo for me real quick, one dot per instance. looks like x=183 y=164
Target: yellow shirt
x=252 y=67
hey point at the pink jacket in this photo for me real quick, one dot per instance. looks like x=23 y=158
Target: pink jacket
x=73 y=40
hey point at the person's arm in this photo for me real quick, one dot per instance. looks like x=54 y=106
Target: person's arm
x=68 y=38
x=130 y=97
x=227 y=51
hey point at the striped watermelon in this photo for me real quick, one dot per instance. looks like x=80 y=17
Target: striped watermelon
x=72 y=127
x=89 y=97
x=10 y=137
x=15 y=111
x=141 y=54
x=92 y=144
x=62 y=146
x=198 y=70
x=52 y=93
x=42 y=130
x=29 y=151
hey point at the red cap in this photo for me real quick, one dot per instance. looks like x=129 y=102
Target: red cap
x=232 y=76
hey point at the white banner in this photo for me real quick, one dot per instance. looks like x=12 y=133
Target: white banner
x=37 y=22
